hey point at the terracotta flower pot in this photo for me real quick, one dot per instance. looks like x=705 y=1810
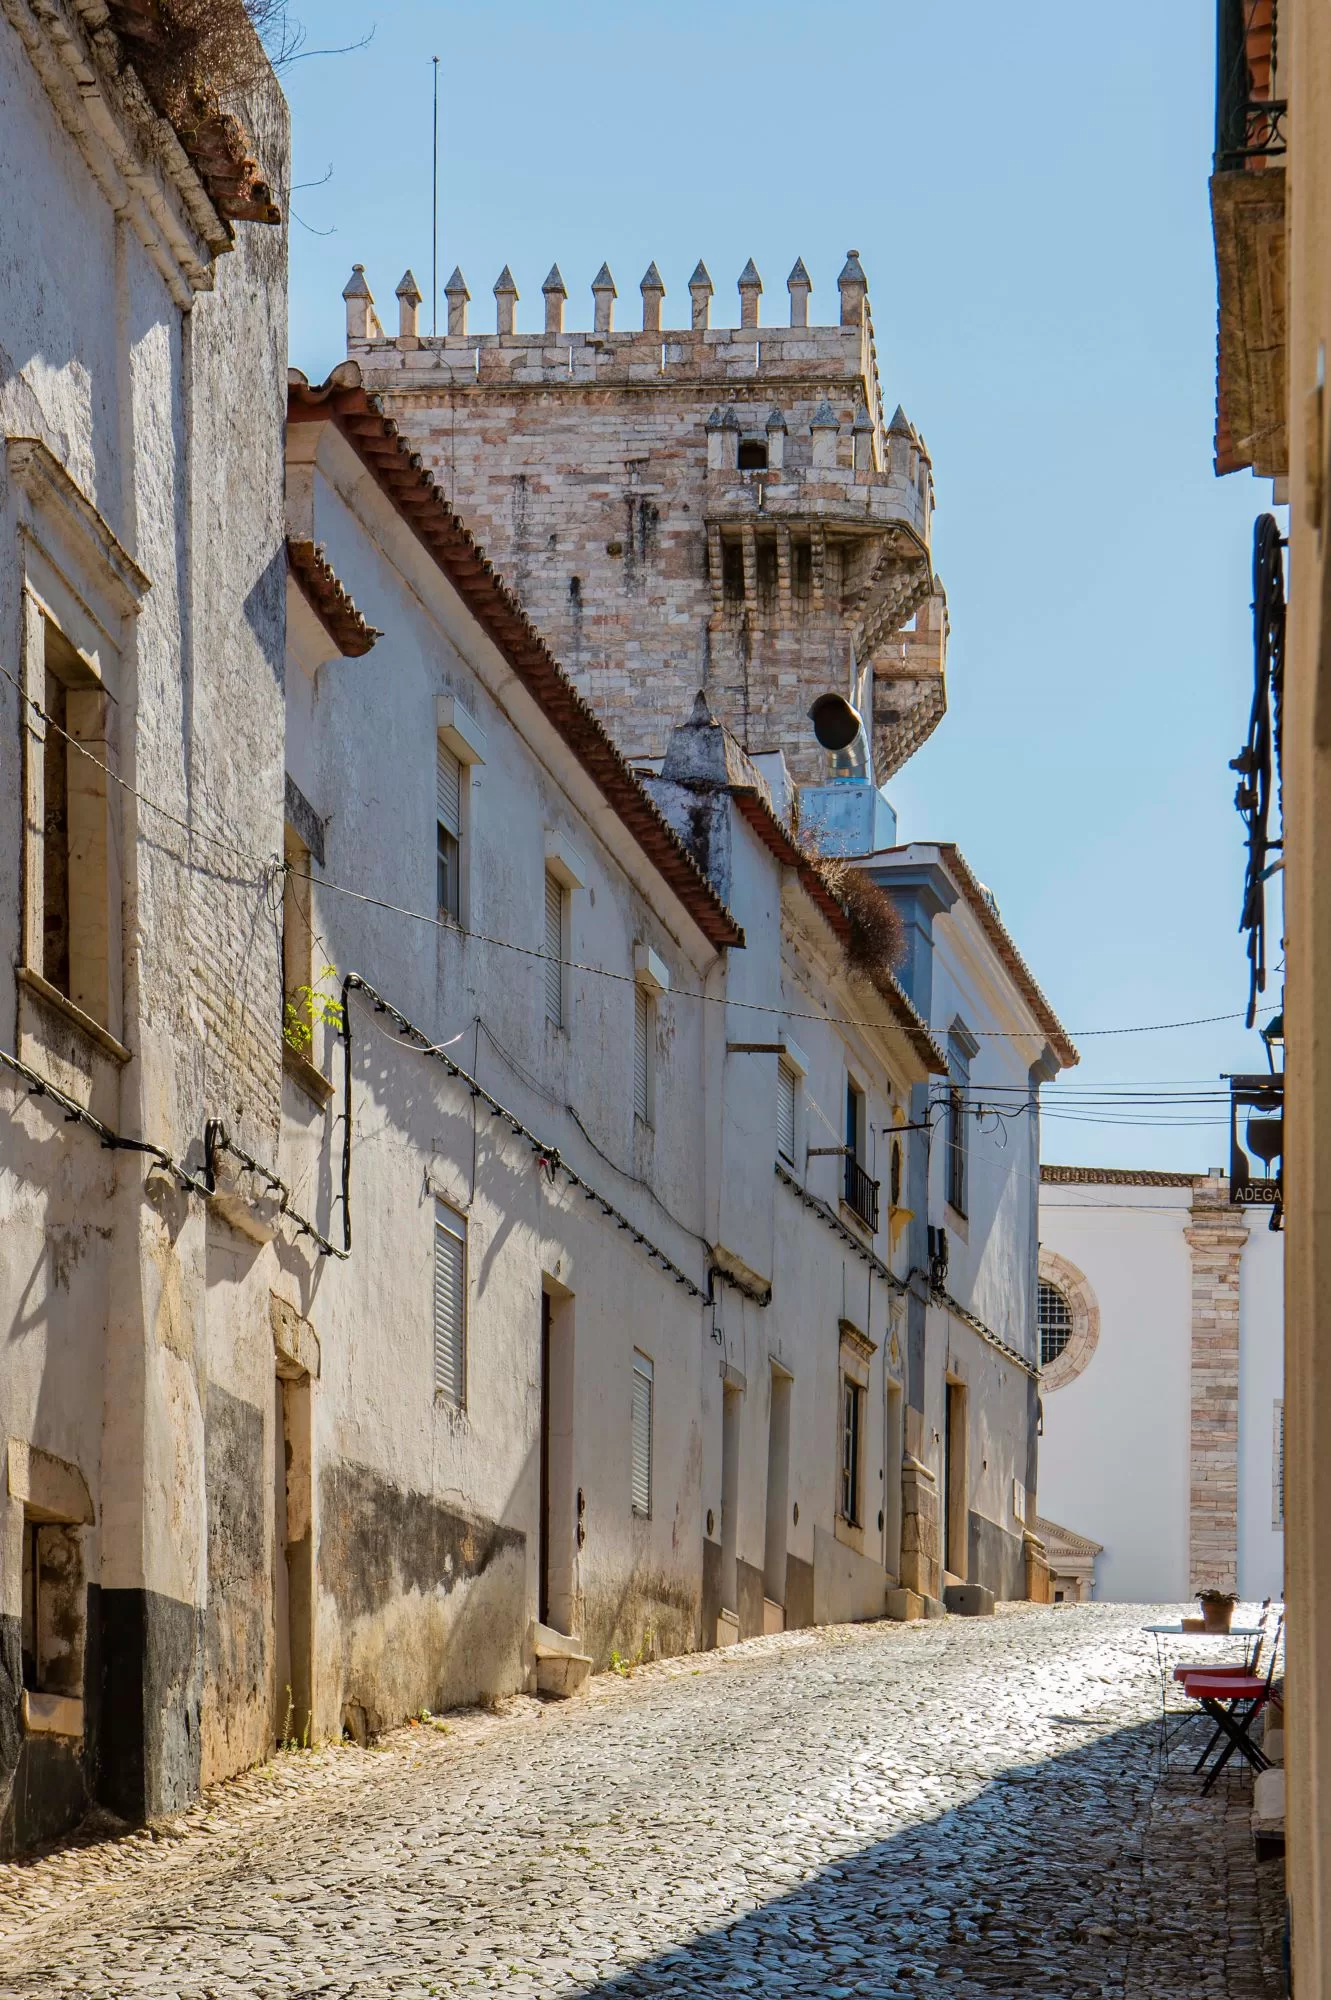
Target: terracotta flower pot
x=1218 y=1612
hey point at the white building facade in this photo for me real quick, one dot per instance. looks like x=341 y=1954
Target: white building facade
x=142 y=329
x=1162 y=1383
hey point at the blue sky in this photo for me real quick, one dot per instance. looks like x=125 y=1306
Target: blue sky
x=1028 y=195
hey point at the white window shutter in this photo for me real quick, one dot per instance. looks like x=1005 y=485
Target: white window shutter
x=554 y=950
x=642 y=1022
x=449 y=792
x=1278 y=1468
x=642 y=1435
x=785 y=1112
x=450 y=1305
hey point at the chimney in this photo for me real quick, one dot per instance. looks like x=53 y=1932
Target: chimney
x=555 y=292
x=653 y=293
x=408 y=307
x=506 y=301
x=603 y=300
x=700 y=294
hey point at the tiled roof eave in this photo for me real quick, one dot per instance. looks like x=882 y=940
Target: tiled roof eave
x=331 y=604
x=213 y=139
x=777 y=839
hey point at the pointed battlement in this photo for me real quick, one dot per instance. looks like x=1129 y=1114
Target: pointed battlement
x=742 y=479
x=852 y=291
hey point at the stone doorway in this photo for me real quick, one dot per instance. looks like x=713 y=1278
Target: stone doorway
x=559 y=1513
x=293 y=1560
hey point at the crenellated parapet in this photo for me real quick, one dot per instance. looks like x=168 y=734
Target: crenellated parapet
x=685 y=505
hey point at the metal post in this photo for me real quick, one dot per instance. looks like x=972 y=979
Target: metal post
x=434 y=213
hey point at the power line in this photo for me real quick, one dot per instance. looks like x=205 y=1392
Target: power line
x=269 y=864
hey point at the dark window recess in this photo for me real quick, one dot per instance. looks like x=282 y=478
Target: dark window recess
x=801 y=572
x=767 y=575
x=851 y=1395
x=732 y=572
x=752 y=455
x=1056 y=1322
x=449 y=874
x=55 y=848
x=894 y=1183
x=956 y=1149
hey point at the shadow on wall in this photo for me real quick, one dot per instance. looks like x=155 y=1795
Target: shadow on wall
x=1057 y=1879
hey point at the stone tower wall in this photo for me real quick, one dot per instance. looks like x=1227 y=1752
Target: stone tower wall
x=601 y=472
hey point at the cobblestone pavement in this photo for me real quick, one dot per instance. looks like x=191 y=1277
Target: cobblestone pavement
x=968 y=1807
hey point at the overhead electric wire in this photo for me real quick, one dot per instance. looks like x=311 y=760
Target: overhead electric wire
x=268 y=864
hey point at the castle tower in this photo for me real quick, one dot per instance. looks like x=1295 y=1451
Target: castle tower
x=714 y=507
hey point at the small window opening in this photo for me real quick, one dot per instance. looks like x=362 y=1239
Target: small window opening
x=851 y=1398
x=450 y=1305
x=752 y=455
x=644 y=1055
x=297 y=941
x=801 y=572
x=54 y=1608
x=449 y=834
x=785 y=1113
x=78 y=934
x=1056 y=1322
x=643 y=1390
x=554 y=950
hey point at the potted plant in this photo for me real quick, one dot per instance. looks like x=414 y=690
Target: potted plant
x=1217 y=1609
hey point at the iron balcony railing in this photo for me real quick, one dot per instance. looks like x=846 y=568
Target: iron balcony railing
x=1247 y=127
x=861 y=1193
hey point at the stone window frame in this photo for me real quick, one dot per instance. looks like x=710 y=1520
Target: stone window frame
x=81 y=587
x=1073 y=1283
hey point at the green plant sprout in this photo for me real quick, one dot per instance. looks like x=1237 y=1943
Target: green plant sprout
x=310 y=1007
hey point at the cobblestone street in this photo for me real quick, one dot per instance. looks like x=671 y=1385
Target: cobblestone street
x=968 y=1806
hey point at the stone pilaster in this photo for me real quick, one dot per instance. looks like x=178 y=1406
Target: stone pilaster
x=1216 y=1237
x=921 y=1543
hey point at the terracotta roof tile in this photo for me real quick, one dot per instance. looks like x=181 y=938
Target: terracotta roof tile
x=329 y=602
x=219 y=148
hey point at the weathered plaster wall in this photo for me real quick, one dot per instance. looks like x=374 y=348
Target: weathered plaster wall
x=167 y=423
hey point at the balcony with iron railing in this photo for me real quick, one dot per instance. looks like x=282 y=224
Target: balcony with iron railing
x=1248 y=217
x=860 y=1194
x=1249 y=119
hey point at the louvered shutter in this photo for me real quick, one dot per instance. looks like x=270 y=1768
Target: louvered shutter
x=642 y=1022
x=642 y=1435
x=554 y=950
x=785 y=1112
x=449 y=792
x=450 y=1267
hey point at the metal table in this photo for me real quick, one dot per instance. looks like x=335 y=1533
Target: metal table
x=1175 y=1630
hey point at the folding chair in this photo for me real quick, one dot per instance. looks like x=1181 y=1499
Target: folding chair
x=1251 y=1664
x=1233 y=1700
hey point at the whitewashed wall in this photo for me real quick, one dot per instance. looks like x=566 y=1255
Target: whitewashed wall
x=1114 y=1456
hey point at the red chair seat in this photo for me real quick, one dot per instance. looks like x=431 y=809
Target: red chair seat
x=1225 y=1687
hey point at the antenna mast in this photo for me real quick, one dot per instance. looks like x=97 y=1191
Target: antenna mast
x=434 y=214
